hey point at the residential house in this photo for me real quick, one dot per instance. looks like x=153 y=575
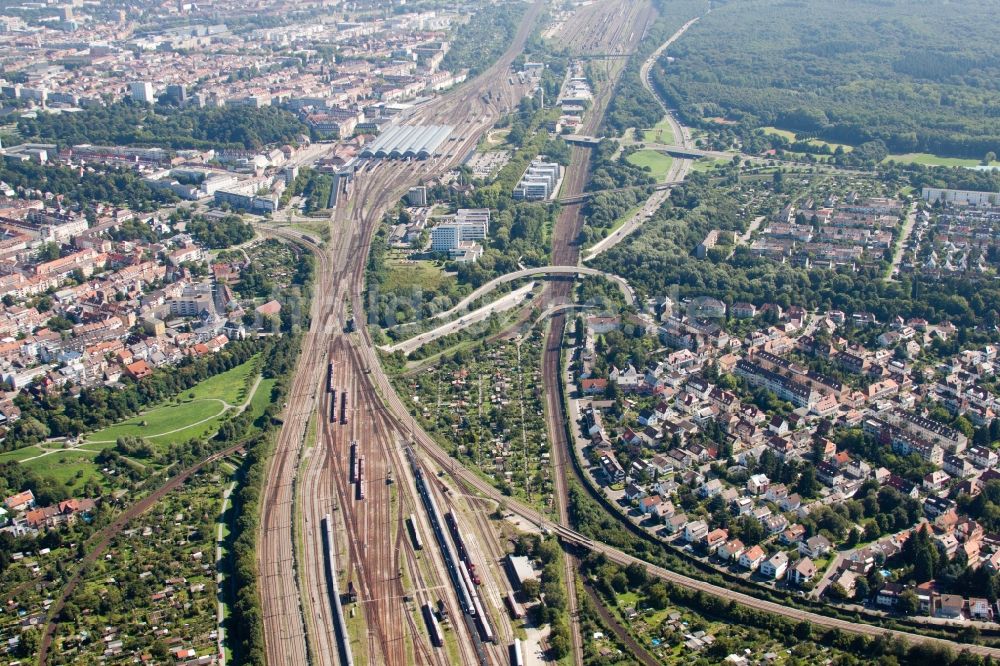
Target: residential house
x=752 y=558
x=793 y=534
x=888 y=596
x=695 y=531
x=675 y=523
x=714 y=539
x=757 y=484
x=774 y=567
x=950 y=606
x=731 y=550
x=803 y=572
x=815 y=546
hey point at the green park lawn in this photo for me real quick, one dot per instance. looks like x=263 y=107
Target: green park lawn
x=662 y=132
x=413 y=273
x=928 y=159
x=197 y=414
x=658 y=163
x=792 y=136
x=65 y=466
x=164 y=425
x=708 y=163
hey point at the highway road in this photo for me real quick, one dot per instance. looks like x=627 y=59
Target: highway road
x=541 y=271
x=502 y=304
x=678 y=169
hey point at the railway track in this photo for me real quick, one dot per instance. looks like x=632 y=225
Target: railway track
x=372 y=553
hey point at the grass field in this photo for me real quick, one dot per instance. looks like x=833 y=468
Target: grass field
x=261 y=398
x=73 y=467
x=779 y=132
x=410 y=273
x=658 y=163
x=196 y=415
x=792 y=136
x=927 y=159
x=708 y=163
x=20 y=454
x=165 y=425
x=662 y=132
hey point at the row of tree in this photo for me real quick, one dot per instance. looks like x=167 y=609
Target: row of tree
x=126 y=123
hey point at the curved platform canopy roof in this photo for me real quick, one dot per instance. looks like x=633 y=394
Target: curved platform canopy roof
x=408 y=141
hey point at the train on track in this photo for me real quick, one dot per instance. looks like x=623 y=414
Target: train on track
x=418 y=543
x=470 y=577
x=516 y=653
x=329 y=379
x=343 y=408
x=354 y=461
x=458 y=569
x=333 y=405
x=433 y=628
x=361 y=478
x=340 y=625
x=516 y=609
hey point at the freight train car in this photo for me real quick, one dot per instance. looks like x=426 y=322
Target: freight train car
x=433 y=628
x=340 y=625
x=516 y=609
x=418 y=543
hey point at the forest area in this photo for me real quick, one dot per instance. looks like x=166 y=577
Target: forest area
x=914 y=76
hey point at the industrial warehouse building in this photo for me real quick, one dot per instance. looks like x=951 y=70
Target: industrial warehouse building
x=408 y=141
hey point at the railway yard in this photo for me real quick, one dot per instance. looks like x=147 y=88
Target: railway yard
x=306 y=483
x=451 y=427
x=377 y=546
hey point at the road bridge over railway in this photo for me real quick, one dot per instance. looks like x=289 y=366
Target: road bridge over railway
x=583 y=196
x=550 y=271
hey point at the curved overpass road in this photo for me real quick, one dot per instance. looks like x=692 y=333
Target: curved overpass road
x=508 y=301
x=622 y=283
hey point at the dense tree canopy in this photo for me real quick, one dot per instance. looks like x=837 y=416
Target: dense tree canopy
x=132 y=124
x=915 y=75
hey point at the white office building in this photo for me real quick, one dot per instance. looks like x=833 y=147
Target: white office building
x=539 y=181
x=142 y=91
